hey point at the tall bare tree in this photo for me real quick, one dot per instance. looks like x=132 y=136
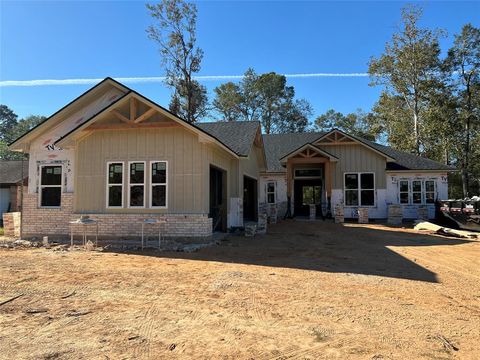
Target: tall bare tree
x=175 y=33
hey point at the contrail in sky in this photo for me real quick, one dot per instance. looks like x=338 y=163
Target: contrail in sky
x=157 y=79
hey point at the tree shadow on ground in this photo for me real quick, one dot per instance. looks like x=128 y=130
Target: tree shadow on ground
x=322 y=246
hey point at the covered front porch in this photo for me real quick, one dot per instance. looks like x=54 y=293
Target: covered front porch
x=309 y=182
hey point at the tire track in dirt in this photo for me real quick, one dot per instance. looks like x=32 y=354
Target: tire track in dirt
x=142 y=351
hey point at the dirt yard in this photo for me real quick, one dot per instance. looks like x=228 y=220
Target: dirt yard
x=305 y=291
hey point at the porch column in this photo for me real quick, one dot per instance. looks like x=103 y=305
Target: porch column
x=328 y=187
x=328 y=179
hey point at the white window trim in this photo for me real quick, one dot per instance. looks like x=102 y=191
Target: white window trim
x=359 y=189
x=108 y=185
x=151 y=185
x=269 y=192
x=423 y=191
x=129 y=186
x=40 y=186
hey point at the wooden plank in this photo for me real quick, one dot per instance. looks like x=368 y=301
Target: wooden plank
x=316 y=160
x=133 y=109
x=336 y=143
x=328 y=179
x=132 y=126
x=145 y=115
x=120 y=116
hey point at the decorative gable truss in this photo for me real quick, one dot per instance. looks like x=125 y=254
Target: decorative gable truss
x=131 y=114
x=336 y=138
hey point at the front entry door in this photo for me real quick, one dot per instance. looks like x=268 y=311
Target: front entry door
x=307 y=192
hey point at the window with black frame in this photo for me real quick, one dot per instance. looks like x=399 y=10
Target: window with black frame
x=136 y=180
x=51 y=186
x=359 y=189
x=158 y=197
x=115 y=185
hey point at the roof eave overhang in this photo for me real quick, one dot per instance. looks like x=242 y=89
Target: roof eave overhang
x=65 y=140
x=22 y=144
x=423 y=171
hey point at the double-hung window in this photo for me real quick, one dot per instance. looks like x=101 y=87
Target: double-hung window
x=158 y=184
x=404 y=191
x=359 y=189
x=136 y=184
x=115 y=181
x=417 y=191
x=50 y=185
x=430 y=191
x=271 y=192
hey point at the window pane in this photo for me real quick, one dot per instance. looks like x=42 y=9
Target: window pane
x=271 y=198
x=430 y=197
x=270 y=187
x=417 y=186
x=159 y=195
x=115 y=173
x=136 y=195
x=404 y=185
x=318 y=194
x=351 y=198
x=307 y=192
x=404 y=198
x=308 y=172
x=115 y=196
x=51 y=175
x=51 y=196
x=351 y=181
x=159 y=173
x=417 y=198
x=137 y=173
x=367 y=197
x=430 y=185
x=366 y=181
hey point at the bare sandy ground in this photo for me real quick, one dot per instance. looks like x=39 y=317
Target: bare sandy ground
x=304 y=291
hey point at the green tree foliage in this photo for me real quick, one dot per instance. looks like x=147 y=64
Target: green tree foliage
x=228 y=101
x=406 y=70
x=175 y=34
x=358 y=123
x=462 y=66
x=8 y=121
x=11 y=129
x=266 y=98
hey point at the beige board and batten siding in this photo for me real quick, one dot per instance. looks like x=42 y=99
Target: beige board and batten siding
x=356 y=158
x=188 y=167
x=254 y=163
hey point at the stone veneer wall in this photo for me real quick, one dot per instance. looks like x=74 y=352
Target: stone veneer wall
x=55 y=222
x=11 y=224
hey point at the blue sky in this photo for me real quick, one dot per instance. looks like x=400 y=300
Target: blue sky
x=64 y=40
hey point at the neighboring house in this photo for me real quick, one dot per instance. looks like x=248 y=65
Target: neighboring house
x=119 y=157
x=11 y=176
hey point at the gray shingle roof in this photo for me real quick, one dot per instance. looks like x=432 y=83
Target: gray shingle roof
x=279 y=145
x=11 y=171
x=406 y=161
x=236 y=135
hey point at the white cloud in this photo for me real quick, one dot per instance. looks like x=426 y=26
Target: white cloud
x=156 y=79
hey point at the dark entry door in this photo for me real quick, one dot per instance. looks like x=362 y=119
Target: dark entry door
x=307 y=192
x=218 y=203
x=249 y=199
